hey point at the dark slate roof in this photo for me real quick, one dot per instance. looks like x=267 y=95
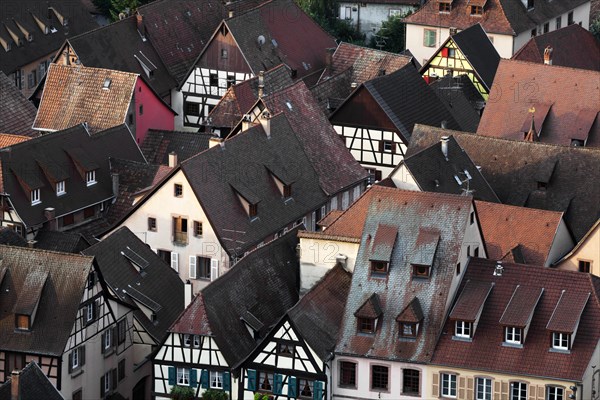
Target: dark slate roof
x=512 y=168
x=435 y=173
x=42 y=45
x=486 y=352
x=11 y=238
x=573 y=46
x=462 y=99
x=58 y=303
x=63 y=154
x=158 y=287
x=33 y=385
x=264 y=283
x=318 y=315
x=243 y=165
x=331 y=92
x=16 y=112
x=60 y=241
x=158 y=144
x=412 y=213
x=120 y=47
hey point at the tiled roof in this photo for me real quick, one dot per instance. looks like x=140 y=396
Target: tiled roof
x=471 y=300
x=11 y=238
x=158 y=283
x=264 y=283
x=512 y=169
x=43 y=45
x=7 y=139
x=505 y=227
x=383 y=243
x=462 y=99
x=412 y=313
x=486 y=352
x=33 y=385
x=318 y=315
x=31 y=291
x=158 y=144
x=566 y=103
x=60 y=298
x=434 y=172
x=572 y=46
x=520 y=308
x=16 y=112
x=73 y=95
x=332 y=92
x=567 y=313
x=409 y=212
x=60 y=241
x=329 y=218
x=350 y=223
x=370 y=309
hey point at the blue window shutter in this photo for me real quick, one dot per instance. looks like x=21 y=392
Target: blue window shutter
x=204 y=379
x=252 y=379
x=277 y=383
x=172 y=376
x=193 y=377
x=226 y=381
x=318 y=390
x=292 y=386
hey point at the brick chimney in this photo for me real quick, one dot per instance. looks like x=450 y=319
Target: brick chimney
x=14 y=385
x=548 y=55
x=139 y=23
x=50 y=215
x=329 y=57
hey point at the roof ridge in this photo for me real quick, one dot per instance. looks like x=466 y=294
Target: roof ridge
x=374 y=50
x=542 y=65
x=528 y=209
x=83 y=67
x=38 y=250
x=99 y=28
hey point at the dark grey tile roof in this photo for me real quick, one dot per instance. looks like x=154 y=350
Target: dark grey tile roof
x=512 y=169
x=462 y=99
x=331 y=92
x=11 y=238
x=60 y=298
x=158 y=144
x=158 y=287
x=523 y=20
x=60 y=241
x=33 y=385
x=16 y=112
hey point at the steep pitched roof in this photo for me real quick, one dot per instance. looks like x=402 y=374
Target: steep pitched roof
x=572 y=46
x=332 y=92
x=410 y=212
x=11 y=238
x=6 y=139
x=462 y=99
x=516 y=169
x=486 y=353
x=121 y=258
x=33 y=385
x=158 y=144
x=73 y=95
x=60 y=241
x=565 y=102
x=16 y=112
x=59 y=300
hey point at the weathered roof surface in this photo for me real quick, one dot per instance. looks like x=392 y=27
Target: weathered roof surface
x=509 y=17
x=412 y=313
x=335 y=166
x=120 y=47
x=332 y=92
x=159 y=283
x=566 y=103
x=350 y=222
x=16 y=112
x=58 y=303
x=572 y=46
x=370 y=309
x=41 y=162
x=60 y=241
x=486 y=353
x=318 y=315
x=33 y=385
x=505 y=227
x=31 y=291
x=73 y=95
x=436 y=173
x=409 y=212
x=462 y=99
x=520 y=308
x=512 y=168
x=11 y=238
x=264 y=283
x=43 y=45
x=471 y=300
x=158 y=144
x=383 y=243
x=566 y=315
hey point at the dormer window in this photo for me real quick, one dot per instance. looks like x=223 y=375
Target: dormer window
x=445 y=7
x=368 y=315
x=379 y=268
x=518 y=314
x=409 y=320
x=468 y=308
x=366 y=325
x=252 y=210
x=542 y=186
x=60 y=188
x=561 y=341
x=35 y=197
x=421 y=271
x=23 y=322
x=287 y=191
x=247 y=198
x=565 y=319
x=513 y=335
x=476 y=10
x=90 y=177
x=381 y=249
x=462 y=329
x=424 y=252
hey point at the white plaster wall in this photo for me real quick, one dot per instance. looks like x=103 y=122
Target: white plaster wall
x=319 y=256
x=561 y=244
x=370 y=16
x=403 y=179
x=588 y=251
x=177 y=105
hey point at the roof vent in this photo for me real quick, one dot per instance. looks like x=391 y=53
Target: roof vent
x=444 y=142
x=499 y=269
x=289 y=105
x=274 y=43
x=548 y=55
x=107 y=83
x=260 y=40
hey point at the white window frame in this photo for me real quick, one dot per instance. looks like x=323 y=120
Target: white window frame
x=446 y=385
x=60 y=188
x=217 y=377
x=519 y=397
x=75 y=359
x=175 y=261
x=107 y=339
x=555 y=393
x=89 y=312
x=107 y=382
x=425 y=35
x=196 y=341
x=214 y=269
x=345 y=200
x=187 y=340
x=193 y=267
x=486 y=393
x=560 y=338
x=463 y=329
x=90 y=177
x=35 y=197
x=511 y=332
x=183 y=376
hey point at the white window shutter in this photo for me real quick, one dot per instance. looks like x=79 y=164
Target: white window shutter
x=193 y=267
x=175 y=261
x=214 y=269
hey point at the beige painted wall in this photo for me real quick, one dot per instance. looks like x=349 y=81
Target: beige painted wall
x=588 y=250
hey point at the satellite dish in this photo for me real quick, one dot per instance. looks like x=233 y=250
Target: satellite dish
x=261 y=40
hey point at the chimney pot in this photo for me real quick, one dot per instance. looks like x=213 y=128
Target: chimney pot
x=548 y=55
x=172 y=159
x=499 y=269
x=230 y=13
x=14 y=385
x=261 y=83
x=115 y=183
x=444 y=142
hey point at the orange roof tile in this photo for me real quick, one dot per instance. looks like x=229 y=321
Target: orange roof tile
x=6 y=139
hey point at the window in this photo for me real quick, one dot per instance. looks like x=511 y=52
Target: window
x=223 y=53
x=141 y=109
x=90 y=312
x=164 y=255
x=483 y=389
x=287 y=191
x=23 y=322
x=555 y=393
x=429 y=37
x=348 y=13
x=445 y=7
x=533 y=32
x=183 y=376
x=31 y=79
x=121 y=331
x=216 y=380
x=421 y=271
x=379 y=267
x=187 y=340
x=347 y=374
x=121 y=370
x=35 y=197
x=513 y=335
x=379 y=377
x=476 y=10
x=178 y=190
x=448 y=385
x=107 y=340
x=558 y=22
x=458 y=269
x=130 y=118
x=305 y=387
x=76 y=358
x=530 y=4
x=542 y=185
x=585 y=266
x=60 y=188
x=546 y=27
x=265 y=381
x=152 y=224
x=462 y=329
x=106 y=387
x=196 y=341
x=570 y=20
x=472 y=217
x=252 y=210
x=561 y=341
x=78 y=395
x=407 y=329
x=180 y=230
x=518 y=391
x=230 y=82
x=197 y=228
x=476 y=252
x=394 y=12
x=387 y=146
x=202 y=268
x=191 y=108
x=213 y=80
x=411 y=381
x=89 y=212
x=90 y=177
x=366 y=325
x=285 y=349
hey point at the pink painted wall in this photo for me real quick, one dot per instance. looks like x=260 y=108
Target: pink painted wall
x=155 y=114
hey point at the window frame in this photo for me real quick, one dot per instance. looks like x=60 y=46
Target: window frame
x=584 y=266
x=386 y=377
x=463 y=329
x=35 y=196
x=417 y=274
x=404 y=378
x=351 y=382
x=61 y=188
x=90 y=177
x=302 y=383
x=430 y=34
x=75 y=359
x=555 y=395
x=152 y=225
x=107 y=342
x=22 y=318
x=512 y=332
x=183 y=376
x=561 y=337
x=444 y=7
x=486 y=395
x=511 y=390
x=178 y=190
x=476 y=10
x=121 y=331
x=452 y=378
x=198 y=229
x=364 y=323
x=261 y=377
x=219 y=378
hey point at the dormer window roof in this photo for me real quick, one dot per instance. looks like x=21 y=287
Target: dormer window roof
x=368 y=314
x=424 y=252
x=381 y=248
x=248 y=199
x=469 y=306
x=135 y=259
x=28 y=301
x=565 y=318
x=282 y=180
x=540 y=112
x=410 y=319
x=519 y=312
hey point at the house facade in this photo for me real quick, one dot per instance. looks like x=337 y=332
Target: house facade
x=585 y=256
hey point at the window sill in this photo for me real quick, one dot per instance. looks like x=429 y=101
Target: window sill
x=380 y=390
x=560 y=351
x=35 y=203
x=91 y=183
x=352 y=387
x=462 y=339
x=181 y=244
x=76 y=373
x=513 y=345
x=412 y=394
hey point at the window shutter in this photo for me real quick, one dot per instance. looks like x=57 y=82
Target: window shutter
x=172 y=376
x=435 y=386
x=226 y=381
x=318 y=390
x=277 y=383
x=497 y=389
x=175 y=261
x=193 y=267
x=204 y=379
x=70 y=362
x=252 y=380
x=214 y=269
x=113 y=378
x=113 y=341
x=193 y=377
x=461 y=387
x=292 y=386
x=102 y=392
x=82 y=355
x=102 y=341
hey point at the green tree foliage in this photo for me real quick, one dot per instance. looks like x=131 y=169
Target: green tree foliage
x=324 y=13
x=595 y=27
x=112 y=8
x=392 y=35
x=212 y=394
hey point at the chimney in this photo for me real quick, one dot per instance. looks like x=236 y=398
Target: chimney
x=265 y=121
x=172 y=159
x=342 y=259
x=548 y=55
x=444 y=143
x=261 y=83
x=14 y=385
x=499 y=269
x=214 y=141
x=115 y=183
x=230 y=13
x=31 y=244
x=139 y=23
x=329 y=57
x=444 y=124
x=50 y=215
x=187 y=293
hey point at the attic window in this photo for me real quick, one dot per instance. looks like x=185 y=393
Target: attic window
x=577 y=143
x=35 y=197
x=22 y=322
x=421 y=271
x=409 y=320
x=224 y=53
x=379 y=268
x=90 y=178
x=476 y=10
x=513 y=335
x=445 y=7
x=542 y=186
x=561 y=341
x=107 y=83
x=366 y=325
x=463 y=329
x=252 y=210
